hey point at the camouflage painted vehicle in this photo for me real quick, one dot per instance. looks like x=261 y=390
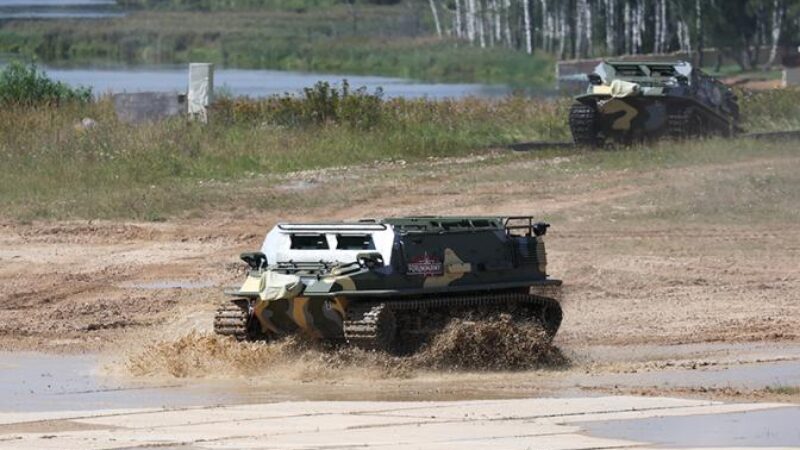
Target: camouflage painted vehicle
x=630 y=101
x=389 y=284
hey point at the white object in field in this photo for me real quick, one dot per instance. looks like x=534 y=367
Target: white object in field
x=201 y=89
x=791 y=76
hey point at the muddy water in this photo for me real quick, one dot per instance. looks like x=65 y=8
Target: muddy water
x=778 y=427
x=747 y=366
x=36 y=382
x=40 y=382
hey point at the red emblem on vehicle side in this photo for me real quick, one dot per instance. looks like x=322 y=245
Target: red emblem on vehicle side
x=425 y=265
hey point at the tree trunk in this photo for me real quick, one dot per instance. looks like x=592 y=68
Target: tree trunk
x=611 y=27
x=588 y=21
x=497 y=26
x=657 y=27
x=457 y=25
x=435 y=14
x=580 y=29
x=480 y=15
x=470 y=18
x=507 y=24
x=526 y=11
x=562 y=31
x=638 y=28
x=628 y=32
x=684 y=38
x=699 y=30
x=778 y=13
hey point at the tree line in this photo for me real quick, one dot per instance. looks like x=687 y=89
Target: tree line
x=745 y=31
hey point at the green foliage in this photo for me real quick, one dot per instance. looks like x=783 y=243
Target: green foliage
x=377 y=41
x=225 y=5
x=321 y=104
x=25 y=84
x=54 y=169
x=772 y=110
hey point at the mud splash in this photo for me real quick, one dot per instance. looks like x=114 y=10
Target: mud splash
x=495 y=344
x=492 y=344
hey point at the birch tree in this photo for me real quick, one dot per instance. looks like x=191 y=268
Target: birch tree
x=457 y=20
x=507 y=24
x=435 y=14
x=699 y=30
x=526 y=7
x=611 y=26
x=778 y=13
x=470 y=19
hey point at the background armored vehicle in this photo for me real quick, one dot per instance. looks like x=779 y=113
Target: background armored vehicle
x=633 y=101
x=389 y=284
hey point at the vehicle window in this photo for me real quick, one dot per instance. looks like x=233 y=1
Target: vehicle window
x=309 y=242
x=354 y=242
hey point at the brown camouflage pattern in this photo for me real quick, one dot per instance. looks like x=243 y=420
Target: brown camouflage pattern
x=423 y=262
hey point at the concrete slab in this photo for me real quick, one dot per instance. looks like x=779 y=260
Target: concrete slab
x=544 y=423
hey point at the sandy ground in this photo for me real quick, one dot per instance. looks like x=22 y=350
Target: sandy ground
x=640 y=289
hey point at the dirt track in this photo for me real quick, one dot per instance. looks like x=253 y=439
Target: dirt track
x=632 y=277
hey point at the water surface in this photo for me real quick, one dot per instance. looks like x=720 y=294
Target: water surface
x=778 y=427
x=261 y=83
x=58 y=9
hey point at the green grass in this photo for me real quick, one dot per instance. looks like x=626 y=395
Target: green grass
x=377 y=40
x=51 y=169
x=55 y=170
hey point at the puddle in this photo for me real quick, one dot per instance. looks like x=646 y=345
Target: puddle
x=46 y=382
x=40 y=382
x=168 y=284
x=767 y=428
x=741 y=376
x=748 y=366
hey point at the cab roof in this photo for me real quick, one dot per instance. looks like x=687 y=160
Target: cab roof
x=411 y=223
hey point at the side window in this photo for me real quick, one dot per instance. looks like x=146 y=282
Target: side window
x=309 y=242
x=354 y=242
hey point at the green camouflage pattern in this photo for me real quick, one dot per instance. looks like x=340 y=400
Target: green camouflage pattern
x=638 y=99
x=429 y=255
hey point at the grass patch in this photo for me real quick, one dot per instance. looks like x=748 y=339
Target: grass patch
x=55 y=169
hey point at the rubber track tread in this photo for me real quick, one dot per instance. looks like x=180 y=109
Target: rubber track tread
x=232 y=319
x=583 y=124
x=362 y=325
x=362 y=322
x=678 y=125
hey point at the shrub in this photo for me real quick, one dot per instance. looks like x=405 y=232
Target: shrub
x=320 y=104
x=25 y=84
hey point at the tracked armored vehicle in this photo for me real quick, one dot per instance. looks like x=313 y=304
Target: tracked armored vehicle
x=632 y=101
x=390 y=284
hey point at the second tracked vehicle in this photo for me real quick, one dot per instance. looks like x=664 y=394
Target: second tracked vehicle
x=390 y=284
x=631 y=101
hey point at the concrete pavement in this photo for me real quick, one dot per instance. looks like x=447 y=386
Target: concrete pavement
x=543 y=423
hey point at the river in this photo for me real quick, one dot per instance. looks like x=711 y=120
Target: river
x=235 y=82
x=58 y=9
x=260 y=83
